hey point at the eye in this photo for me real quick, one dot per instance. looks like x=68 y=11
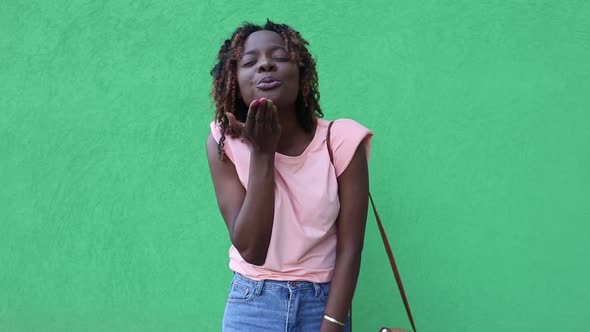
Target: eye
x=281 y=59
x=248 y=63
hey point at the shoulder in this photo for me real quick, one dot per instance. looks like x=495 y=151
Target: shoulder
x=232 y=147
x=347 y=131
x=344 y=126
x=346 y=136
x=215 y=131
x=214 y=139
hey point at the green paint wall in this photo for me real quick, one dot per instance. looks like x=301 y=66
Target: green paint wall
x=480 y=163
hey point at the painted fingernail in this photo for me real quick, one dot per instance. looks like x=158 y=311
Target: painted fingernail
x=263 y=100
x=254 y=103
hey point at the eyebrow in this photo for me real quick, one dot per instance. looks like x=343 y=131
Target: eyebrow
x=274 y=48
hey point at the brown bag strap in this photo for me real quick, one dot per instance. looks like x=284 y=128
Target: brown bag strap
x=394 y=268
x=398 y=278
x=328 y=142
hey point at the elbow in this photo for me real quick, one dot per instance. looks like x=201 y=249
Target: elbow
x=351 y=254
x=254 y=258
x=252 y=246
x=251 y=253
x=354 y=256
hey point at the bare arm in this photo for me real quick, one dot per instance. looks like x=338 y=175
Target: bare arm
x=353 y=189
x=248 y=213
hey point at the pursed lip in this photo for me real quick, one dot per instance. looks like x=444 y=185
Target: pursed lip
x=267 y=79
x=268 y=83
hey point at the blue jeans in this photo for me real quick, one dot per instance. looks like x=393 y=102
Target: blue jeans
x=275 y=306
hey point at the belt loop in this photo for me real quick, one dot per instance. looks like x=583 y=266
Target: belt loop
x=317 y=289
x=258 y=286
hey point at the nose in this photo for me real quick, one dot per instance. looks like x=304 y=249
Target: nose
x=266 y=65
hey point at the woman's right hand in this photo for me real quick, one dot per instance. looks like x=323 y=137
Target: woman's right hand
x=248 y=211
x=261 y=130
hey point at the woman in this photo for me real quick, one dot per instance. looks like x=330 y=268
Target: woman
x=296 y=218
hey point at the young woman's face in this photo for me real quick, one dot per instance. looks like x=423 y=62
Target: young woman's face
x=266 y=70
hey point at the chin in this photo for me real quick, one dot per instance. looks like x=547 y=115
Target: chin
x=277 y=97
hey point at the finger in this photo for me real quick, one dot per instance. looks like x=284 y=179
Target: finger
x=251 y=117
x=259 y=128
x=276 y=127
x=268 y=126
x=234 y=124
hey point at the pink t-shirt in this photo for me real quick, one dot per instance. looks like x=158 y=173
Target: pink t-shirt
x=303 y=241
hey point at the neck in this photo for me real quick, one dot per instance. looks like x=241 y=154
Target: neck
x=293 y=138
x=288 y=121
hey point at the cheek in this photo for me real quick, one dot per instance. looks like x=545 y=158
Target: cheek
x=244 y=85
x=295 y=80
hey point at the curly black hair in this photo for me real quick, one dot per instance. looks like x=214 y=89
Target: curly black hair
x=226 y=93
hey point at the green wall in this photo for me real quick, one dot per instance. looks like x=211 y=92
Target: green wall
x=480 y=163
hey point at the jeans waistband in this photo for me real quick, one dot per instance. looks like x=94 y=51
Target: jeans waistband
x=259 y=285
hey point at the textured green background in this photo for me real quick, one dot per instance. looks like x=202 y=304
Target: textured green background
x=480 y=164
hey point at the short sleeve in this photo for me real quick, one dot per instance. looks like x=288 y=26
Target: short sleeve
x=216 y=133
x=345 y=137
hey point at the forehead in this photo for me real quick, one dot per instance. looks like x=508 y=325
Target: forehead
x=263 y=39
